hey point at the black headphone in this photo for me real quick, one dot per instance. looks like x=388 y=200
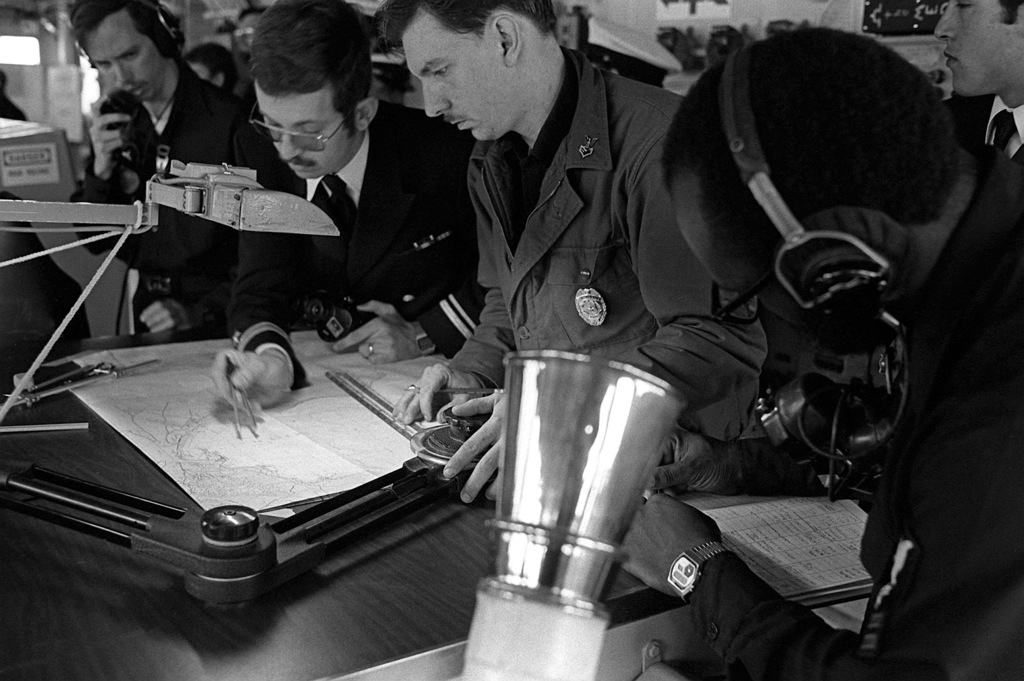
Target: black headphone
x=821 y=266
x=169 y=38
x=166 y=29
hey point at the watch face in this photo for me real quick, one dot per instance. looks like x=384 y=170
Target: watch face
x=683 y=575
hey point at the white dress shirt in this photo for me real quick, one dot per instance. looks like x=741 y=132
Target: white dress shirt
x=1018 y=117
x=352 y=174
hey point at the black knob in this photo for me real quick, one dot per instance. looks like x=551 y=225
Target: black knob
x=230 y=525
x=460 y=428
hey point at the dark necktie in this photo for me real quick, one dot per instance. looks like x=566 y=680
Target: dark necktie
x=331 y=196
x=1004 y=129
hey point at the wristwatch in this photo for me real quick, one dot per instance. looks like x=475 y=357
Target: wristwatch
x=425 y=345
x=686 y=569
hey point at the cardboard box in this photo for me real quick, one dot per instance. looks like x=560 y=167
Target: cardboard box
x=35 y=161
x=36 y=165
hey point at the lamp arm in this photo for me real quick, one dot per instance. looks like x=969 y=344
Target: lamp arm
x=87 y=217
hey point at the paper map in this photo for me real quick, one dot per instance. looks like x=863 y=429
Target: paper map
x=320 y=442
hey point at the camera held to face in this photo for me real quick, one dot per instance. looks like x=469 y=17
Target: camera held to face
x=331 y=316
x=122 y=101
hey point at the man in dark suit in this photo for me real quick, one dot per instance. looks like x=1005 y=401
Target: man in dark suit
x=985 y=53
x=393 y=181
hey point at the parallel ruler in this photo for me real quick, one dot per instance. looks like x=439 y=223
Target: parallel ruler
x=373 y=401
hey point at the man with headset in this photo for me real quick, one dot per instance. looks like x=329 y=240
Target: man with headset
x=185 y=265
x=985 y=53
x=392 y=179
x=898 y=223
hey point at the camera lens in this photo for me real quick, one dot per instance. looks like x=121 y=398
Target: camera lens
x=333 y=319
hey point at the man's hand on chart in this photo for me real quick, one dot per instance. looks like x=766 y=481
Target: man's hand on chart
x=385 y=338
x=165 y=314
x=488 y=441
x=266 y=377
x=418 y=401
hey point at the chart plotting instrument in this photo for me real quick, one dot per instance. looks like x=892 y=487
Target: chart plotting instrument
x=233 y=553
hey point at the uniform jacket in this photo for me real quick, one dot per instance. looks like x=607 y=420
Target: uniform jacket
x=952 y=487
x=414 y=189
x=970 y=115
x=605 y=222
x=198 y=254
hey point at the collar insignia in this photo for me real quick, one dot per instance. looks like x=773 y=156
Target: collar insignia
x=587 y=148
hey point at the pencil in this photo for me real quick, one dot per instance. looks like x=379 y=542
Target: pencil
x=44 y=427
x=466 y=391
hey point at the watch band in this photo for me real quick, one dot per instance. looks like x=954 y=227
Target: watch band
x=425 y=345
x=706 y=550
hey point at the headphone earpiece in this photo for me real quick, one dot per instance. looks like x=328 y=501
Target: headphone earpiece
x=852 y=262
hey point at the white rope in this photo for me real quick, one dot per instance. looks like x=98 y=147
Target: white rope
x=27 y=378
x=57 y=249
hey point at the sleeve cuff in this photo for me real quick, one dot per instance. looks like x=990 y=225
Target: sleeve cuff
x=448 y=325
x=726 y=593
x=265 y=336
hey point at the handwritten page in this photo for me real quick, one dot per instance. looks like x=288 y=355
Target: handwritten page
x=805 y=548
x=319 y=442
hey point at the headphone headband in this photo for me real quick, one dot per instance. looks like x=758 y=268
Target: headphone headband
x=745 y=145
x=737 y=115
x=164 y=18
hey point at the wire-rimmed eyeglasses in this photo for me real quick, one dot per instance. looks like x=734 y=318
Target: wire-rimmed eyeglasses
x=311 y=141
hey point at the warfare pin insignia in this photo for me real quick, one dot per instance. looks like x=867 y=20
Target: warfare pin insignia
x=591 y=306
x=587 y=148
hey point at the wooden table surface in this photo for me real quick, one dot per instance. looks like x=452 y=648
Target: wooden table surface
x=75 y=607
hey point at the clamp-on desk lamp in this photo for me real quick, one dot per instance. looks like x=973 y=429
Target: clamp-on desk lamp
x=226 y=194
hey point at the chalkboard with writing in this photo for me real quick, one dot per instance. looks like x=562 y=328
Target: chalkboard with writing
x=902 y=17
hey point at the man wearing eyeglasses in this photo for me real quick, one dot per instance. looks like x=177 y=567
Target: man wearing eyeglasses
x=393 y=180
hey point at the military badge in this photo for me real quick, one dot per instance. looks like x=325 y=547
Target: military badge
x=587 y=148
x=591 y=306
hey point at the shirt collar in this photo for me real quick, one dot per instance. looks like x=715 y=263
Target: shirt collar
x=586 y=145
x=1018 y=118
x=559 y=121
x=352 y=173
